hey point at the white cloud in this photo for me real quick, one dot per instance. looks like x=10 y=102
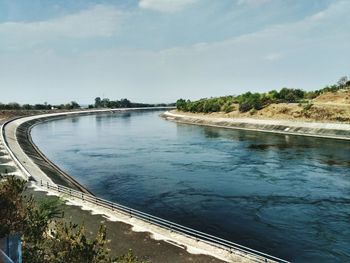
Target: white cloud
x=165 y=5
x=99 y=21
x=253 y=2
x=305 y=54
x=273 y=56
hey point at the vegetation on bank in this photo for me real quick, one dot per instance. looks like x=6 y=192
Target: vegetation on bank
x=123 y=103
x=16 y=106
x=46 y=237
x=99 y=103
x=256 y=101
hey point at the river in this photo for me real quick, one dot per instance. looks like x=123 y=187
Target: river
x=288 y=196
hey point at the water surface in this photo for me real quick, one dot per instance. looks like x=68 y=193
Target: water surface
x=284 y=195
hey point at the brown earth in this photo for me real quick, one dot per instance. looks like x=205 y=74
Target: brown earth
x=340 y=97
x=7 y=114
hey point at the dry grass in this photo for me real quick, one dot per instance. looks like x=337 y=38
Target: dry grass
x=342 y=97
x=7 y=114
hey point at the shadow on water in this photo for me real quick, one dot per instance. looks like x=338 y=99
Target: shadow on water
x=337 y=154
x=102 y=119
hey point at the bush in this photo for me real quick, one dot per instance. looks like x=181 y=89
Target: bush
x=181 y=105
x=244 y=107
x=46 y=237
x=13 y=206
x=311 y=95
x=227 y=107
x=307 y=106
x=291 y=95
x=253 y=111
x=248 y=101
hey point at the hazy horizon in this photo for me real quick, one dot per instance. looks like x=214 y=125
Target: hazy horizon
x=156 y=51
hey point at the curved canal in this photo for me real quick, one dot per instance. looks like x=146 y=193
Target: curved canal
x=284 y=195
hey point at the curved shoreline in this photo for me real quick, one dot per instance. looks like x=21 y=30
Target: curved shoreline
x=17 y=135
x=29 y=158
x=56 y=171
x=320 y=130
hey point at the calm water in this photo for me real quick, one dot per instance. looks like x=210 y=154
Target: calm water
x=284 y=195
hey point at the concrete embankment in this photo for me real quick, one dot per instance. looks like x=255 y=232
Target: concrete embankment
x=314 y=129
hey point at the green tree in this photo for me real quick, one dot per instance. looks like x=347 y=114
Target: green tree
x=47 y=238
x=13 y=206
x=181 y=105
x=75 y=105
x=342 y=81
x=248 y=101
x=98 y=102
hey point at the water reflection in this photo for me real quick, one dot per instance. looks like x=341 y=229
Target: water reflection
x=211 y=133
x=74 y=119
x=338 y=152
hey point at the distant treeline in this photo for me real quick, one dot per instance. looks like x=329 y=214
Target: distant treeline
x=256 y=101
x=99 y=103
x=123 y=103
x=16 y=106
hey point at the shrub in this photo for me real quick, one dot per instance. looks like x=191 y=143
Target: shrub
x=244 y=107
x=248 y=101
x=181 y=105
x=307 y=106
x=253 y=111
x=227 y=107
x=291 y=95
x=46 y=237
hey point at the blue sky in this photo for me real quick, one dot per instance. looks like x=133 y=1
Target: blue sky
x=161 y=50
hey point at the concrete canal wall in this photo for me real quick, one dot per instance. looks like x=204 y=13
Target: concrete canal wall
x=322 y=130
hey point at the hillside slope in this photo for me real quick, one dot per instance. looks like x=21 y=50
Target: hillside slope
x=328 y=107
x=341 y=97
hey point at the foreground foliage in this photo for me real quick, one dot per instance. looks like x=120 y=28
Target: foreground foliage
x=46 y=237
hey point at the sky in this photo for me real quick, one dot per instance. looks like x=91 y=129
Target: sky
x=157 y=51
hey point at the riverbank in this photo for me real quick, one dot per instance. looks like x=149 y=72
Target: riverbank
x=329 y=106
x=314 y=129
x=18 y=131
